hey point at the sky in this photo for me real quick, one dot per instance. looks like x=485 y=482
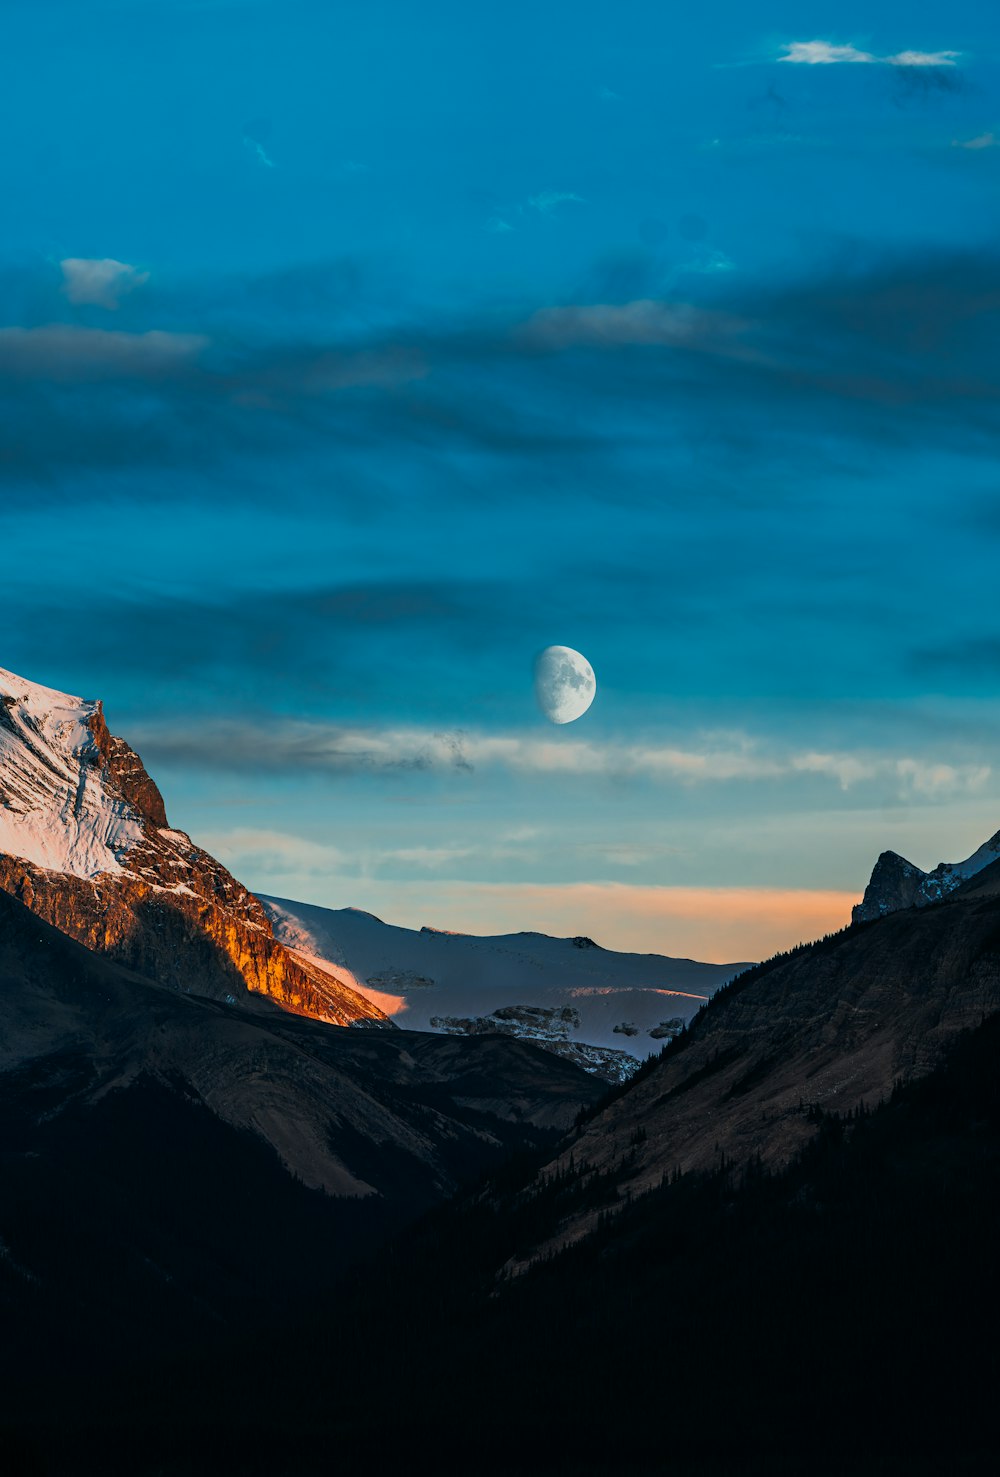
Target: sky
x=351 y=354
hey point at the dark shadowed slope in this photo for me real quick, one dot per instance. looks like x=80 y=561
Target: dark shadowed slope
x=837 y=1316
x=172 y=1162
x=833 y=1025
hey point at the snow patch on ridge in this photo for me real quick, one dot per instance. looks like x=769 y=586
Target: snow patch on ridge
x=54 y=810
x=946 y=876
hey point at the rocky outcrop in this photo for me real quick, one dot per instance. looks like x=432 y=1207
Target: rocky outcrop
x=896 y=883
x=85 y=844
x=202 y=936
x=126 y=771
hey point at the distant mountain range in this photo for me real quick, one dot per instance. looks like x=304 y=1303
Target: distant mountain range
x=603 y=1009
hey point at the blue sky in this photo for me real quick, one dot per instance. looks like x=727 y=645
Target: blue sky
x=351 y=354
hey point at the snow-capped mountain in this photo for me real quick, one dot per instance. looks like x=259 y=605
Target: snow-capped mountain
x=590 y=1003
x=57 y=807
x=85 y=844
x=896 y=883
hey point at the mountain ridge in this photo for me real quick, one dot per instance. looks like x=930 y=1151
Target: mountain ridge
x=898 y=883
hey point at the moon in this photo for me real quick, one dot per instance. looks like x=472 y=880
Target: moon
x=564 y=683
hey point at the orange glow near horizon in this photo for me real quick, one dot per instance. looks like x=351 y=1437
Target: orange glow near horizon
x=716 y=924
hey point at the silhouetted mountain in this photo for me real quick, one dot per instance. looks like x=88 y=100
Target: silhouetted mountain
x=837 y=1315
x=896 y=883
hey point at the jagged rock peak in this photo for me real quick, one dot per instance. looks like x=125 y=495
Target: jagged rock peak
x=127 y=772
x=896 y=883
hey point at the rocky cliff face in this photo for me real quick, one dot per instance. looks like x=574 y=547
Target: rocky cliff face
x=896 y=883
x=85 y=844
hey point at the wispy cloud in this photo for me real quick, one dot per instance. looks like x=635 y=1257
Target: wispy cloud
x=829 y=53
x=941 y=779
x=102 y=282
x=847 y=353
x=281 y=851
x=546 y=201
x=284 y=852
x=823 y=53
x=981 y=141
x=259 y=153
x=642 y=322
x=336 y=750
x=707 y=263
x=61 y=353
x=427 y=856
x=916 y=776
x=923 y=59
x=255 y=135
x=543 y=203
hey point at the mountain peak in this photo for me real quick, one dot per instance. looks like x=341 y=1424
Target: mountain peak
x=84 y=843
x=72 y=798
x=896 y=883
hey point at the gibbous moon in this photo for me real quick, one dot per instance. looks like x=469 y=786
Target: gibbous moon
x=564 y=683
